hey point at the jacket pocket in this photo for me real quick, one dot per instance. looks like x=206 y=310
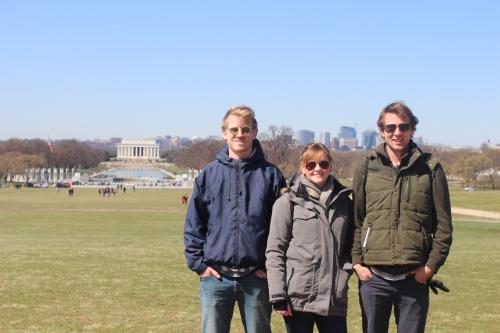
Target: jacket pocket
x=300 y=280
x=305 y=225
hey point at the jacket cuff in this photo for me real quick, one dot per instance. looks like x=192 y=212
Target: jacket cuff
x=433 y=264
x=201 y=269
x=356 y=260
x=278 y=297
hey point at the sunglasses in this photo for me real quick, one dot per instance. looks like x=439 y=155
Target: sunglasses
x=322 y=164
x=244 y=130
x=391 y=128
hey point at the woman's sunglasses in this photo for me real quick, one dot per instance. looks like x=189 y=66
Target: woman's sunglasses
x=322 y=164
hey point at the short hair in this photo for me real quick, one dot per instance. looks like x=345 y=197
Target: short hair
x=312 y=151
x=243 y=111
x=401 y=109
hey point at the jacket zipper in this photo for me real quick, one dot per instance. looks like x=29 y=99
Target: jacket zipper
x=237 y=212
x=365 y=241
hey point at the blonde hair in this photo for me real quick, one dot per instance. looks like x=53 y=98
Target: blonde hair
x=241 y=111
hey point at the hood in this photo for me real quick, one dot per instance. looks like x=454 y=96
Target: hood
x=256 y=155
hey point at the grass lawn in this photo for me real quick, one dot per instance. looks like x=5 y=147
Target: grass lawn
x=93 y=264
x=483 y=199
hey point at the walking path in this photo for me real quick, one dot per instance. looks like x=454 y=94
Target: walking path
x=489 y=214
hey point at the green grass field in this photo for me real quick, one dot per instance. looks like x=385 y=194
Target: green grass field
x=93 y=264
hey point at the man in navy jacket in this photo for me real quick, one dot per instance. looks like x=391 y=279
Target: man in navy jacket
x=227 y=225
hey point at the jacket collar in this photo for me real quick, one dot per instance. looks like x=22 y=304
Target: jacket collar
x=413 y=154
x=303 y=192
x=257 y=155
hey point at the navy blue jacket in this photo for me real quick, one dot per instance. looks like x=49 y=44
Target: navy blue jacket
x=229 y=214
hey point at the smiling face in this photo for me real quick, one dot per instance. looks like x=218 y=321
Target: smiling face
x=239 y=134
x=317 y=169
x=396 y=138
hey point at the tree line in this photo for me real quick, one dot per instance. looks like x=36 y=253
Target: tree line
x=467 y=165
x=17 y=155
x=470 y=166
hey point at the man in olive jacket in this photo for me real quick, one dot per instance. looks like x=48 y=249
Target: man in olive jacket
x=403 y=228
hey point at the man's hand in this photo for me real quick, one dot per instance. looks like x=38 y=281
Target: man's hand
x=363 y=273
x=210 y=271
x=422 y=274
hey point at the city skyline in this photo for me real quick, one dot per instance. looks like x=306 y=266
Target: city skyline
x=133 y=70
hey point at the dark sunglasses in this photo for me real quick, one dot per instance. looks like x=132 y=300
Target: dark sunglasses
x=322 y=164
x=391 y=128
x=244 y=130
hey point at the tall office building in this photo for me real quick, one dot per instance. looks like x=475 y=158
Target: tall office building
x=305 y=137
x=324 y=138
x=347 y=138
x=347 y=132
x=369 y=139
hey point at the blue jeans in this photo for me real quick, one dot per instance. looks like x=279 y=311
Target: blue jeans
x=409 y=298
x=219 y=296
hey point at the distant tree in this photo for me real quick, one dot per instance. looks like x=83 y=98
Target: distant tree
x=345 y=162
x=276 y=144
x=14 y=163
x=65 y=153
x=169 y=155
x=198 y=154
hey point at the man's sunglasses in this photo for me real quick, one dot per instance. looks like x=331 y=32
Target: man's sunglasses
x=244 y=130
x=391 y=128
x=322 y=164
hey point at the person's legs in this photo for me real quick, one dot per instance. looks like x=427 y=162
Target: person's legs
x=217 y=304
x=363 y=314
x=253 y=301
x=411 y=306
x=331 y=324
x=376 y=295
x=300 y=322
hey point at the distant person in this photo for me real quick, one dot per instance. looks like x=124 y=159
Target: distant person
x=403 y=225
x=227 y=224
x=184 y=198
x=309 y=248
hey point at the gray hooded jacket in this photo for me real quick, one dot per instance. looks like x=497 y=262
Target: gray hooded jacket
x=308 y=248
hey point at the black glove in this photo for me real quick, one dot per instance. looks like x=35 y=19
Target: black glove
x=436 y=284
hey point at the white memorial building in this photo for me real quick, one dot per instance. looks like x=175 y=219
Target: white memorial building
x=138 y=150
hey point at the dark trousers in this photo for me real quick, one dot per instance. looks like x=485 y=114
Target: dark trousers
x=409 y=298
x=303 y=322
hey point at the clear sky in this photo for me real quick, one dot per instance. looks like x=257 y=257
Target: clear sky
x=140 y=69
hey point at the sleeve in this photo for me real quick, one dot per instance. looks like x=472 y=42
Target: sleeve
x=359 y=198
x=347 y=258
x=195 y=229
x=280 y=185
x=442 y=239
x=280 y=234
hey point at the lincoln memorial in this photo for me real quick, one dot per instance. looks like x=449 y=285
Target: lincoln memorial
x=138 y=150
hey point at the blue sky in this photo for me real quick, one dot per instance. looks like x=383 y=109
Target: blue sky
x=139 y=69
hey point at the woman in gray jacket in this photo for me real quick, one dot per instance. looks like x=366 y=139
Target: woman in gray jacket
x=308 y=248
